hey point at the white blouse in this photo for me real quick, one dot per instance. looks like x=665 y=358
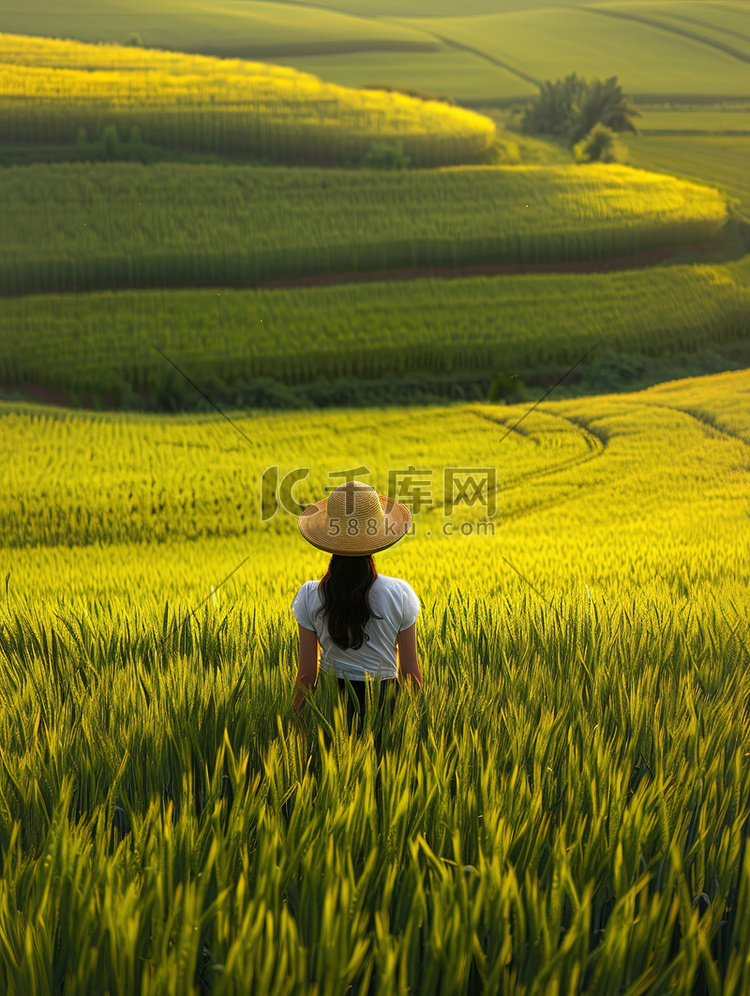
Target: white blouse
x=392 y=598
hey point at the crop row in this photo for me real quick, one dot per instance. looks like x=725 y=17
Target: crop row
x=535 y=817
x=104 y=342
x=75 y=227
x=89 y=480
x=714 y=159
x=211 y=105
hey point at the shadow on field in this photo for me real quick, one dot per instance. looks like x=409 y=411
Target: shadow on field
x=604 y=372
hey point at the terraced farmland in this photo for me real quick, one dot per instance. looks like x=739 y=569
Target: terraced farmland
x=490 y=51
x=564 y=806
x=50 y=90
x=699 y=157
x=513 y=324
x=81 y=227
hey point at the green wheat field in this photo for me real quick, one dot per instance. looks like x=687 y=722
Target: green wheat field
x=330 y=219
x=565 y=803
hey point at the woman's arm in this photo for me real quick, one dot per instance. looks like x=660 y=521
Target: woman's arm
x=407 y=654
x=308 y=664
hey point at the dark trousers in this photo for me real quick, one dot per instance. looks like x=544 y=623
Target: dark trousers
x=359 y=689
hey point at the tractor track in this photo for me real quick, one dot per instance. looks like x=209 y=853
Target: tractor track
x=729 y=50
x=595 y=447
x=705 y=420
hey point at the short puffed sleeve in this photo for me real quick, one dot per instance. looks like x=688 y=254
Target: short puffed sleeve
x=410 y=606
x=300 y=608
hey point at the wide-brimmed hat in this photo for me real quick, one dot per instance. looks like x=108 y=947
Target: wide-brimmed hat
x=354 y=521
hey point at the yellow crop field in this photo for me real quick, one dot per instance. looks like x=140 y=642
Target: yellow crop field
x=562 y=807
x=49 y=89
x=566 y=799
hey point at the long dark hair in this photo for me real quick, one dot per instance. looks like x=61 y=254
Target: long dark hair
x=344 y=588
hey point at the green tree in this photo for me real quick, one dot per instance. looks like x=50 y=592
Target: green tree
x=571 y=107
x=551 y=112
x=602 y=103
x=599 y=146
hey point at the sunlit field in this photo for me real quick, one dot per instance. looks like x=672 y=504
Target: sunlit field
x=561 y=806
x=650 y=56
x=51 y=89
x=707 y=120
x=723 y=159
x=75 y=227
x=230 y=30
x=482 y=50
x=330 y=222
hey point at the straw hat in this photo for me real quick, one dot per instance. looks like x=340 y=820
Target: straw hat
x=354 y=521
